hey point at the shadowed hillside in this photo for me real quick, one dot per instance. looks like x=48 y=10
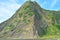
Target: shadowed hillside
x=31 y=21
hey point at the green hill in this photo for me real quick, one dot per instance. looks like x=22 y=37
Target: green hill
x=31 y=21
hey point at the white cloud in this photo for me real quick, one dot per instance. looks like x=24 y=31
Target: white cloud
x=7 y=9
x=53 y=3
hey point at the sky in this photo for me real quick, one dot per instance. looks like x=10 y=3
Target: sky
x=9 y=7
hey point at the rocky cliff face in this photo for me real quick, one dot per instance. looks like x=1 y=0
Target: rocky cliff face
x=31 y=21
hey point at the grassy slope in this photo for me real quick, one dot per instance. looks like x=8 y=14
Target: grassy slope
x=23 y=17
x=52 y=19
x=53 y=24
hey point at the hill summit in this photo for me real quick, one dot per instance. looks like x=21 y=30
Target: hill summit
x=31 y=21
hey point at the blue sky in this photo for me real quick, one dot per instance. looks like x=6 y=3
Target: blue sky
x=8 y=7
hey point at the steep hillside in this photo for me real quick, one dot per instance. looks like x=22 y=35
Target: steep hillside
x=31 y=21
